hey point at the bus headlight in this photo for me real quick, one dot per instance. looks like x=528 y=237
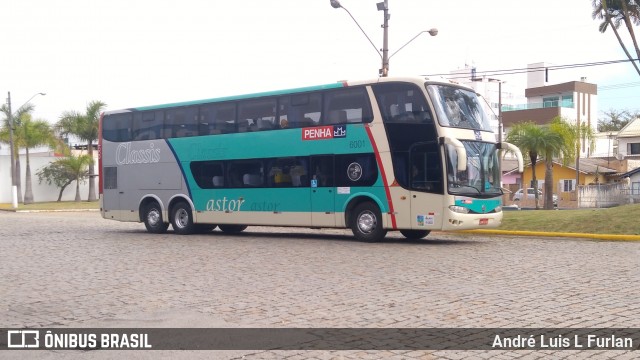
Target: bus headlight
x=459 y=209
x=498 y=209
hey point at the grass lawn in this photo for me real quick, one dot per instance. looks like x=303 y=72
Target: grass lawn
x=63 y=205
x=622 y=220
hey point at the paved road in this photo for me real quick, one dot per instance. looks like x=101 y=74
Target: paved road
x=78 y=270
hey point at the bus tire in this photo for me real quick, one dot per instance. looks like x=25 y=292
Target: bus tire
x=152 y=216
x=415 y=234
x=205 y=228
x=366 y=222
x=182 y=219
x=232 y=229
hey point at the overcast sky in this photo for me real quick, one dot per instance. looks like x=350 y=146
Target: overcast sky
x=143 y=52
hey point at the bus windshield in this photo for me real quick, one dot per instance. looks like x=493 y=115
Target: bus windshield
x=481 y=179
x=458 y=107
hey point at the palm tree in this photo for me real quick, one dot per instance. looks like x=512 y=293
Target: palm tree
x=31 y=134
x=77 y=166
x=84 y=126
x=580 y=135
x=614 y=12
x=564 y=148
x=537 y=140
x=24 y=109
x=527 y=137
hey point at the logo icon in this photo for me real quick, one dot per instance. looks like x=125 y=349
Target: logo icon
x=354 y=171
x=23 y=338
x=339 y=131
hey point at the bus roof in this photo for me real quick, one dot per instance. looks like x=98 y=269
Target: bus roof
x=338 y=84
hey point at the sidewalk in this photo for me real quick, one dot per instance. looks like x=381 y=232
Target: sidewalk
x=556 y=234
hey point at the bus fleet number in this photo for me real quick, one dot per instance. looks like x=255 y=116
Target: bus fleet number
x=356 y=144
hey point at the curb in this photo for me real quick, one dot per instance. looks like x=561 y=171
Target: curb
x=52 y=210
x=611 y=237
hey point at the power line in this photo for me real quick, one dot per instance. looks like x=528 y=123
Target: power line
x=618 y=86
x=534 y=69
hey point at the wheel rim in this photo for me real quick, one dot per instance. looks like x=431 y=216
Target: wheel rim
x=182 y=218
x=367 y=222
x=153 y=217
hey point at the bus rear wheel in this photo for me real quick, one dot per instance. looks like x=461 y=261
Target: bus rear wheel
x=366 y=223
x=182 y=219
x=153 y=221
x=232 y=229
x=414 y=234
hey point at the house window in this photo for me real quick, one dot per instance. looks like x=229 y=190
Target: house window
x=634 y=149
x=550 y=101
x=568 y=185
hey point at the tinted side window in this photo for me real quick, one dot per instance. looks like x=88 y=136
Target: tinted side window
x=402 y=103
x=426 y=170
x=256 y=115
x=208 y=174
x=218 y=118
x=349 y=105
x=180 y=122
x=148 y=125
x=245 y=173
x=303 y=110
x=287 y=172
x=321 y=171
x=117 y=127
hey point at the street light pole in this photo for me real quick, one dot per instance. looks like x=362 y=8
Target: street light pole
x=384 y=55
x=384 y=6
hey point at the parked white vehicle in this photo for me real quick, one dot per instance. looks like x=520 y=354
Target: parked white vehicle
x=518 y=195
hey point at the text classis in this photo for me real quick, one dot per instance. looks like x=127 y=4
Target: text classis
x=126 y=155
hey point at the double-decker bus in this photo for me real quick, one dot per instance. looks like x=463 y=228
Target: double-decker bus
x=389 y=154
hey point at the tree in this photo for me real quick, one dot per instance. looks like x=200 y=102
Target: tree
x=573 y=136
x=615 y=120
x=31 y=134
x=24 y=109
x=527 y=137
x=84 y=126
x=548 y=141
x=64 y=171
x=614 y=13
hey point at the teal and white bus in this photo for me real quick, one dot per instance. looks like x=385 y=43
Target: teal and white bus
x=388 y=154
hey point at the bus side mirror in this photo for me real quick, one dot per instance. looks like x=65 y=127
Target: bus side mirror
x=514 y=149
x=460 y=150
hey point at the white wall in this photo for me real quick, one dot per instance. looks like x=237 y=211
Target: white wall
x=41 y=192
x=623 y=144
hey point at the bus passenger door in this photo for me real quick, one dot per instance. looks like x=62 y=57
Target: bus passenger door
x=426 y=185
x=322 y=191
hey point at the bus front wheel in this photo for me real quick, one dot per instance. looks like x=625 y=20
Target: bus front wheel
x=366 y=223
x=153 y=219
x=414 y=234
x=232 y=229
x=182 y=219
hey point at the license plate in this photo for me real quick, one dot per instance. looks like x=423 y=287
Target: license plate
x=484 y=221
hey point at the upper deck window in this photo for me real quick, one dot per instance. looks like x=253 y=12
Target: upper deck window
x=402 y=103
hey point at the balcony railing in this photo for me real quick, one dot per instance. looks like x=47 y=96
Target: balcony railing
x=546 y=104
